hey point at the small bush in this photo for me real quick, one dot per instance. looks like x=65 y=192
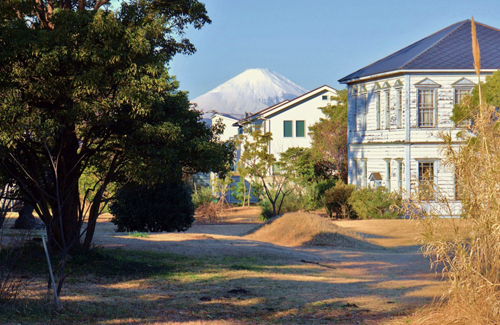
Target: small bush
x=336 y=201
x=295 y=202
x=315 y=193
x=375 y=203
x=209 y=212
x=292 y=202
x=202 y=195
x=240 y=192
x=267 y=209
x=162 y=207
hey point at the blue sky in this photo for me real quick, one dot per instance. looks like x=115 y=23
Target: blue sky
x=313 y=42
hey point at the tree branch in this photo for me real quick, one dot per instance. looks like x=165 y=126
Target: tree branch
x=100 y=3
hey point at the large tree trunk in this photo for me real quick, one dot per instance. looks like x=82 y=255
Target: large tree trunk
x=65 y=224
x=26 y=220
x=64 y=199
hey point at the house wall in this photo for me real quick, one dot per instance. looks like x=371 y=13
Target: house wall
x=408 y=143
x=307 y=110
x=230 y=131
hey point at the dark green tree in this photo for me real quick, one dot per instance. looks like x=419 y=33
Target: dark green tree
x=84 y=86
x=160 y=207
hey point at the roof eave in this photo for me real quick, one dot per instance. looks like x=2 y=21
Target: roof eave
x=396 y=72
x=298 y=99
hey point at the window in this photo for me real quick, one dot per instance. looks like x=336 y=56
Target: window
x=377 y=111
x=364 y=173
x=363 y=114
x=399 y=108
x=400 y=175
x=387 y=110
x=287 y=129
x=426 y=108
x=299 y=129
x=388 y=174
x=461 y=93
x=354 y=173
x=324 y=97
x=426 y=180
x=355 y=110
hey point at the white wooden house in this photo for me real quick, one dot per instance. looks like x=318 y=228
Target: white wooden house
x=289 y=121
x=399 y=105
x=228 y=120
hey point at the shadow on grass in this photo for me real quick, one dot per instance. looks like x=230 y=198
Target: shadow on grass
x=138 y=287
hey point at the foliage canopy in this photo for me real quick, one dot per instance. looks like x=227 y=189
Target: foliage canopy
x=84 y=86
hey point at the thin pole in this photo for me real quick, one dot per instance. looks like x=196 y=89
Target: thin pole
x=50 y=272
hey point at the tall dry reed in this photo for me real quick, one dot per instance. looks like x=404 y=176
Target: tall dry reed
x=470 y=255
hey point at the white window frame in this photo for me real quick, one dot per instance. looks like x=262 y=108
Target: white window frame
x=427 y=110
x=387 y=109
x=364 y=173
x=388 y=174
x=399 y=108
x=363 y=114
x=464 y=122
x=433 y=179
x=377 y=110
x=355 y=110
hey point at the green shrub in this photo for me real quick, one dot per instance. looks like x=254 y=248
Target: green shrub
x=162 y=207
x=336 y=200
x=375 y=203
x=315 y=193
x=293 y=202
x=267 y=209
x=202 y=195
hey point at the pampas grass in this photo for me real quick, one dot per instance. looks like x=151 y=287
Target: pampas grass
x=471 y=259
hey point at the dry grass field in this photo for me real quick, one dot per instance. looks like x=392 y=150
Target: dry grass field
x=299 y=269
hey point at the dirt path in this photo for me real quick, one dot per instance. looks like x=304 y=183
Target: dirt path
x=389 y=278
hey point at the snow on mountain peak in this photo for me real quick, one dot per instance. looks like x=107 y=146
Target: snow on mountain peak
x=250 y=91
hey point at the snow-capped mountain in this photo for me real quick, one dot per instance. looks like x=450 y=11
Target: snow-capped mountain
x=249 y=92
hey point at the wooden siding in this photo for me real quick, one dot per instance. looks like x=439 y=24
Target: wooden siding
x=411 y=143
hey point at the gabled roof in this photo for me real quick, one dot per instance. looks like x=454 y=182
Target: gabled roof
x=286 y=104
x=227 y=116
x=375 y=177
x=447 y=49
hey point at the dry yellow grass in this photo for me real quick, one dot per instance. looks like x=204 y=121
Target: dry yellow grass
x=298 y=229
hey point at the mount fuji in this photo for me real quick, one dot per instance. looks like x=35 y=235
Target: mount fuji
x=248 y=92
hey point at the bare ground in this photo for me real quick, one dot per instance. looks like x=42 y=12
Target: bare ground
x=376 y=282
x=382 y=279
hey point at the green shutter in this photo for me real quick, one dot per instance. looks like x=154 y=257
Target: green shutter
x=299 y=129
x=287 y=127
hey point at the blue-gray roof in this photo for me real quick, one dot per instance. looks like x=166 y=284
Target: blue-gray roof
x=449 y=48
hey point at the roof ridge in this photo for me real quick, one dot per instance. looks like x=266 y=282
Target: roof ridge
x=462 y=23
x=304 y=95
x=487 y=26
